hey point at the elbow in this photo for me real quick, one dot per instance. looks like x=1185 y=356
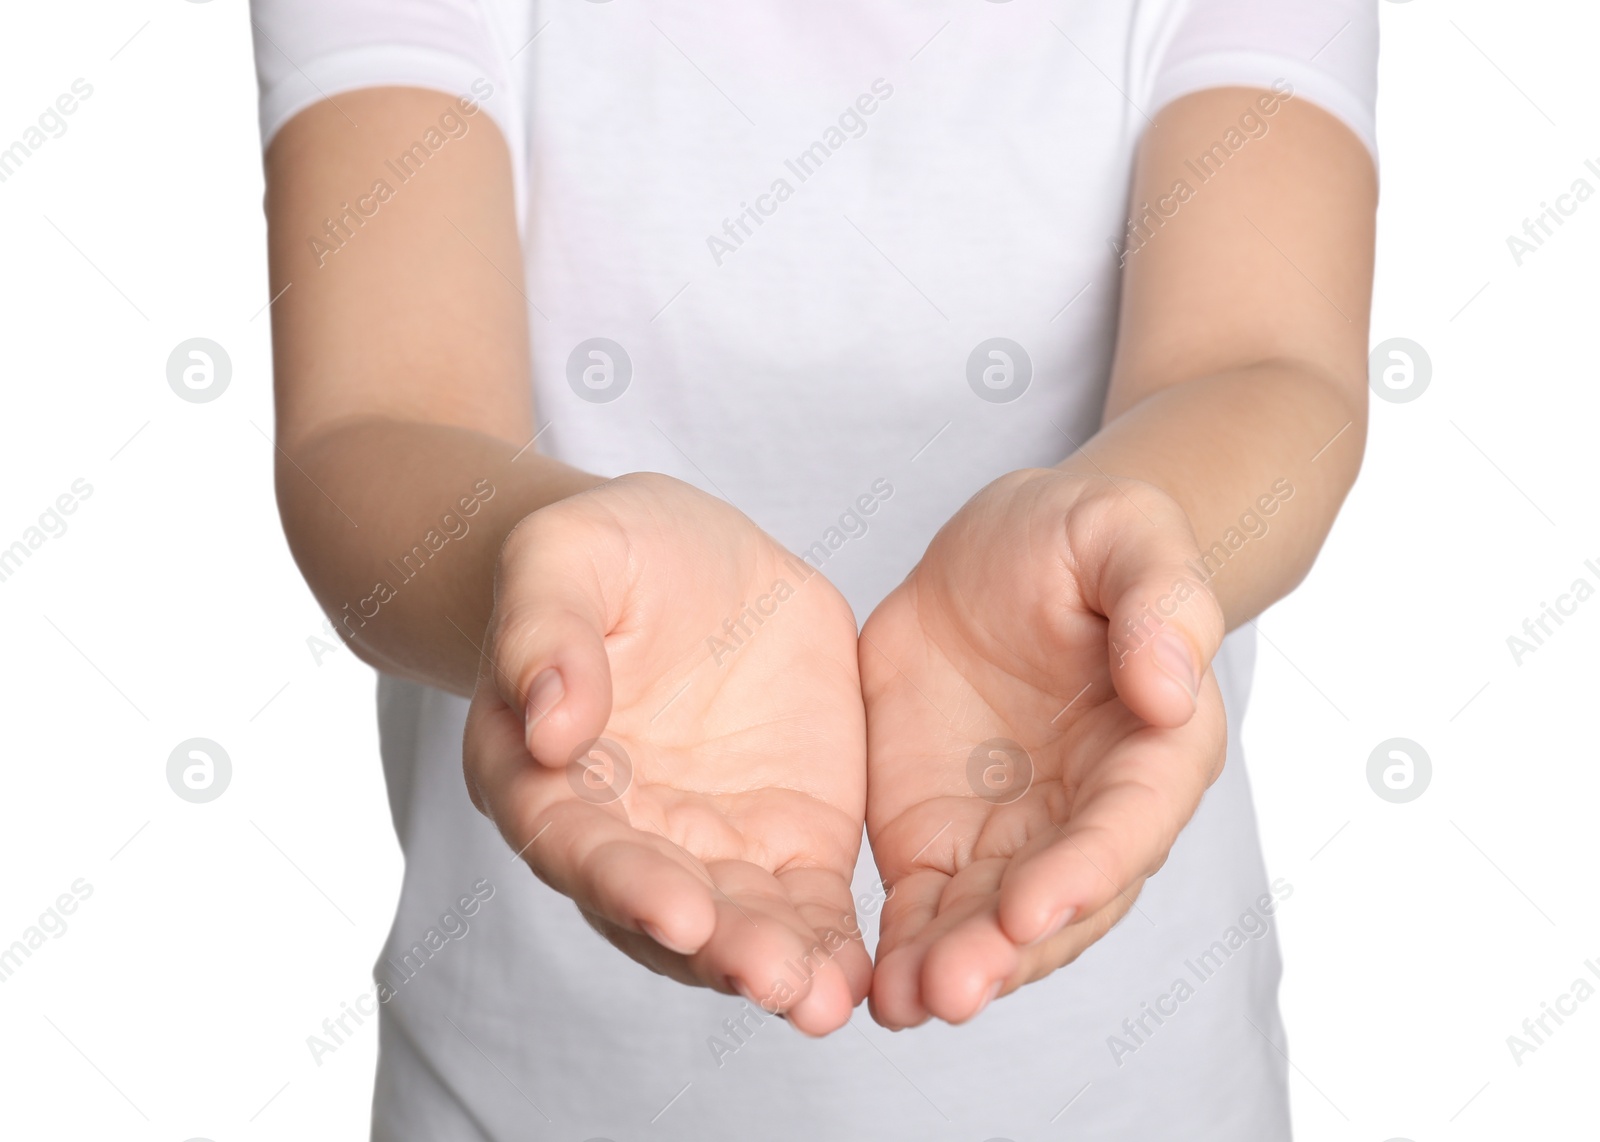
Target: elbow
x=314 y=528
x=1335 y=411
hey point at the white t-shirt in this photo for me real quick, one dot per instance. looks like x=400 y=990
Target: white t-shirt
x=800 y=229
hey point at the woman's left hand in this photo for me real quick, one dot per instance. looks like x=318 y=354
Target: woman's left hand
x=1041 y=723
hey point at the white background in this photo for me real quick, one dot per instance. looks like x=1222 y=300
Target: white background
x=219 y=936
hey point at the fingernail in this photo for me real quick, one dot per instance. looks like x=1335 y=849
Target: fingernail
x=750 y=998
x=655 y=934
x=543 y=695
x=1061 y=920
x=994 y=990
x=1176 y=661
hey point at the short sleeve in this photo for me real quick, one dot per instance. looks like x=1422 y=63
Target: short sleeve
x=1326 y=50
x=309 y=50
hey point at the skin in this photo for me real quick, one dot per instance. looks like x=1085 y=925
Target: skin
x=1038 y=614
x=730 y=848
x=575 y=608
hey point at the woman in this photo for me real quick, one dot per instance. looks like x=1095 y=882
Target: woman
x=626 y=352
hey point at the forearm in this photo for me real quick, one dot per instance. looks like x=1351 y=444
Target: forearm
x=397 y=526
x=1259 y=457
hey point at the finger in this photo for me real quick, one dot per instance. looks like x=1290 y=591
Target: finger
x=969 y=959
x=896 y=997
x=1035 y=961
x=492 y=750
x=823 y=900
x=789 y=944
x=627 y=876
x=583 y=848
x=1165 y=624
x=759 y=937
x=1122 y=827
x=955 y=964
x=558 y=588
x=765 y=949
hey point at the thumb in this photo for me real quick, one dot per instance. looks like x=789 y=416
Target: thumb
x=1165 y=624
x=547 y=643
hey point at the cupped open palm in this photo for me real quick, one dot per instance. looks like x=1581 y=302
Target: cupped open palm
x=697 y=785
x=1016 y=799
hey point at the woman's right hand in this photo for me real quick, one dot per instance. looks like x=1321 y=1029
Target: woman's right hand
x=668 y=727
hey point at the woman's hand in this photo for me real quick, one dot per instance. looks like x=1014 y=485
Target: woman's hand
x=712 y=829
x=1041 y=723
